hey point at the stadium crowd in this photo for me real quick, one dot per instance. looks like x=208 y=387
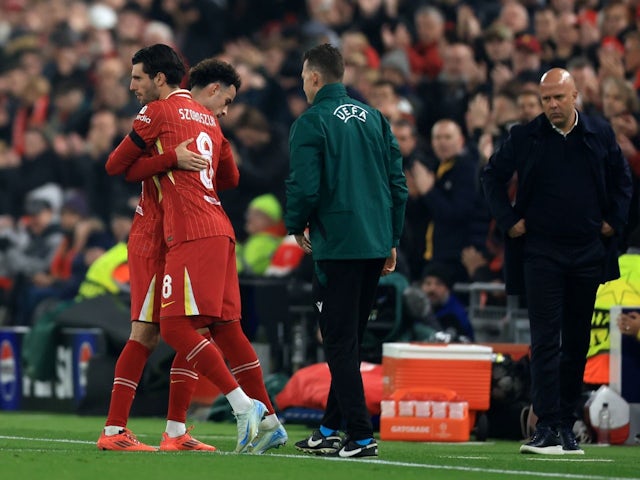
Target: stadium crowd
x=451 y=77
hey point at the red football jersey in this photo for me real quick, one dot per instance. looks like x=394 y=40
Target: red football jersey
x=145 y=237
x=190 y=204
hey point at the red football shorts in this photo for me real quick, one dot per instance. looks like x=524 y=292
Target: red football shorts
x=200 y=278
x=145 y=274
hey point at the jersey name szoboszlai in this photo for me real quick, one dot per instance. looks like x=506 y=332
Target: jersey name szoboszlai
x=205 y=119
x=185 y=114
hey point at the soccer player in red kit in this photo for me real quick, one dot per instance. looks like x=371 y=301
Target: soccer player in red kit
x=156 y=74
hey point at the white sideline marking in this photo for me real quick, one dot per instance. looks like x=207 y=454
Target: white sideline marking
x=57 y=440
x=468 y=457
x=564 y=459
x=459 y=468
x=373 y=461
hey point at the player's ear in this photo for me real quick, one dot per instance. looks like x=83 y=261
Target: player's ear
x=160 y=79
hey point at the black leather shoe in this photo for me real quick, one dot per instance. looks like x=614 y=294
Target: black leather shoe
x=569 y=442
x=319 y=444
x=544 y=440
x=353 y=450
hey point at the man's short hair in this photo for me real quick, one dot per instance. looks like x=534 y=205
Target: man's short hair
x=327 y=60
x=212 y=70
x=160 y=58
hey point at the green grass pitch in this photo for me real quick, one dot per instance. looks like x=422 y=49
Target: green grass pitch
x=54 y=446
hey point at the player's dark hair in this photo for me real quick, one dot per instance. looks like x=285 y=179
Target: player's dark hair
x=212 y=70
x=160 y=58
x=327 y=60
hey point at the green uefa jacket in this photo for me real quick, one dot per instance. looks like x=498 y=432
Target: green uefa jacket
x=345 y=179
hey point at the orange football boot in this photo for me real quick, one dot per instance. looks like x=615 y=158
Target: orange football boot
x=184 y=442
x=124 y=441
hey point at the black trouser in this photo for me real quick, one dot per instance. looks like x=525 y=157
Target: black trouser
x=560 y=298
x=344 y=292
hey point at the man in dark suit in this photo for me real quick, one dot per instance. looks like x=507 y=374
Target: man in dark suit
x=574 y=189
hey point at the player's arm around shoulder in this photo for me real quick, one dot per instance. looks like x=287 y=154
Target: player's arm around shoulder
x=141 y=136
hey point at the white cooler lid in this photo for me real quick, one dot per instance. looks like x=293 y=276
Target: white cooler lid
x=437 y=351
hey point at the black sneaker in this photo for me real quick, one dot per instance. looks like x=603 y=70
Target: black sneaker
x=569 y=442
x=353 y=450
x=319 y=444
x=544 y=440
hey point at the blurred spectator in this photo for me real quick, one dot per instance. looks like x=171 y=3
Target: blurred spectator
x=61 y=280
x=258 y=89
x=514 y=15
x=200 y=26
x=545 y=30
x=451 y=314
x=424 y=54
x=616 y=19
x=619 y=99
x=32 y=256
x=39 y=166
x=468 y=24
x=9 y=160
x=325 y=18
x=527 y=56
x=588 y=28
x=632 y=58
x=108 y=271
x=412 y=241
x=620 y=105
x=447 y=96
x=385 y=98
x=131 y=22
x=32 y=110
x=529 y=105
x=263 y=161
x=158 y=32
x=265 y=231
x=112 y=86
x=66 y=62
x=289 y=260
x=587 y=83
x=354 y=42
x=394 y=68
x=496 y=47
x=104 y=192
x=369 y=17
x=449 y=194
x=504 y=111
x=609 y=54
x=504 y=114
x=567 y=40
x=70 y=109
x=359 y=77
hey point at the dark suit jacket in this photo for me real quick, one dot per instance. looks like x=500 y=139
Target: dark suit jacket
x=520 y=153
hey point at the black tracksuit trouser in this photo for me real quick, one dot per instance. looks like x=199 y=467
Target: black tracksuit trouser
x=344 y=291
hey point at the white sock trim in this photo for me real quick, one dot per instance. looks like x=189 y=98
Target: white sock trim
x=175 y=429
x=239 y=401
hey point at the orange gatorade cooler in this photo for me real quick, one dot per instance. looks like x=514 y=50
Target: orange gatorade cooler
x=431 y=391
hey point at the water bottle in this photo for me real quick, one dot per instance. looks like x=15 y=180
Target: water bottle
x=604 y=424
